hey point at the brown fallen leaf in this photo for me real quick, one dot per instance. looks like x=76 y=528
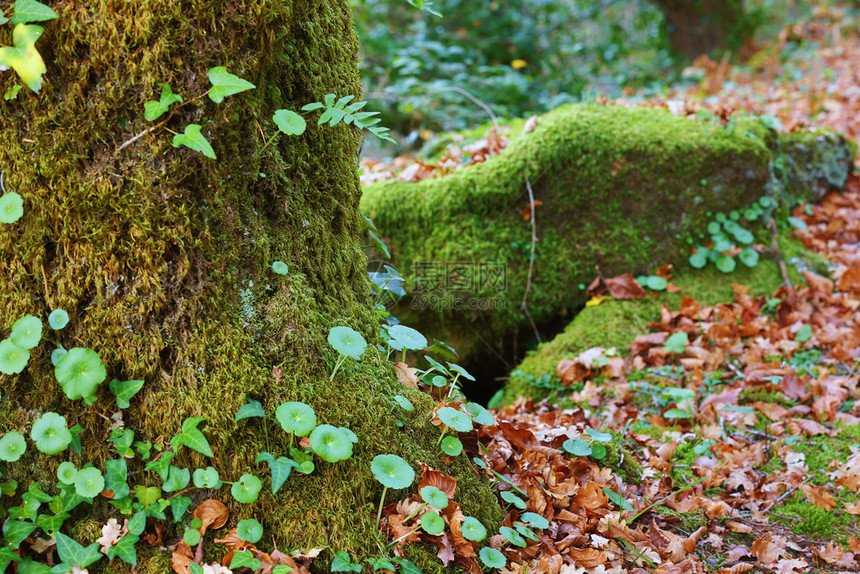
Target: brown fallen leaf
x=818 y=496
x=407 y=375
x=212 y=513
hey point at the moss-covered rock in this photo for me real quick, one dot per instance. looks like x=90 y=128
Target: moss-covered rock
x=162 y=258
x=617 y=323
x=619 y=187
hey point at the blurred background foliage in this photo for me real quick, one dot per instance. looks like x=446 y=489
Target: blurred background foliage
x=530 y=56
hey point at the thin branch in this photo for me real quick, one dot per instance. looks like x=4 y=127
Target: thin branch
x=778 y=254
x=524 y=305
x=143 y=133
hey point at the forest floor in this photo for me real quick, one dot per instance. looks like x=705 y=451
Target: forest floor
x=737 y=424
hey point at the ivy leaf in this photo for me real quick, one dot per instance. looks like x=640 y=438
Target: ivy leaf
x=32 y=11
x=226 y=84
x=244 y=559
x=124 y=549
x=3 y=20
x=73 y=553
x=194 y=140
x=177 y=479
x=153 y=110
x=124 y=390
x=192 y=437
x=280 y=468
x=6 y=555
x=16 y=531
x=24 y=58
x=249 y=410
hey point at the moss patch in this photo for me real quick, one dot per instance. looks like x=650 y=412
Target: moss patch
x=617 y=323
x=620 y=188
x=162 y=256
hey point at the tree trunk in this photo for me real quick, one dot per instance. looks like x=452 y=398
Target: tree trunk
x=162 y=258
x=701 y=26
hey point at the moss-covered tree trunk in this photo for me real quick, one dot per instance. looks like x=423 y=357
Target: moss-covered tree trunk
x=162 y=257
x=697 y=27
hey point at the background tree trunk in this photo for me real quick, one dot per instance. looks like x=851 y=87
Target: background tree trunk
x=701 y=26
x=162 y=257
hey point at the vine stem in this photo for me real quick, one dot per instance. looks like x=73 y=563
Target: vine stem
x=381 y=502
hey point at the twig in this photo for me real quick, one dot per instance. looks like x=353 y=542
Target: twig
x=524 y=305
x=45 y=279
x=143 y=133
x=484 y=106
x=778 y=254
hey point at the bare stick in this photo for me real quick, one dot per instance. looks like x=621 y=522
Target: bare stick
x=524 y=305
x=143 y=133
x=778 y=254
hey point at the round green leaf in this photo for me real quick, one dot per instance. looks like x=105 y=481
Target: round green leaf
x=512 y=498
x=480 y=414
x=743 y=236
x=57 y=356
x=432 y=523
x=404 y=403
x=656 y=283
x=247 y=489
x=751 y=214
x=472 y=529
x=452 y=446
x=331 y=443
x=455 y=419
x=408 y=337
x=348 y=342
x=698 y=259
x=13 y=358
x=725 y=263
x=289 y=122
x=11 y=207
x=50 y=433
x=280 y=268
x=296 y=418
x=249 y=530
x=191 y=537
x=536 y=520
x=492 y=558
x=713 y=227
x=207 y=478
x=765 y=202
x=89 y=482
x=749 y=257
x=434 y=497
x=513 y=536
x=577 y=447
x=721 y=244
x=677 y=342
x=392 y=471
x=58 y=319
x=67 y=472
x=26 y=332
x=80 y=373
x=598 y=451
x=439 y=381
x=12 y=446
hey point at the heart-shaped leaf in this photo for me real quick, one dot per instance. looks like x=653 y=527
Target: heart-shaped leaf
x=280 y=468
x=226 y=84
x=125 y=550
x=73 y=553
x=153 y=110
x=193 y=139
x=32 y=11
x=23 y=57
x=124 y=390
x=192 y=437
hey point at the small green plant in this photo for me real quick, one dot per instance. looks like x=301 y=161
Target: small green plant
x=728 y=237
x=22 y=56
x=348 y=343
x=392 y=472
x=336 y=111
x=492 y=558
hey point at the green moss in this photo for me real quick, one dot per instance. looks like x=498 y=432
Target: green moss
x=162 y=256
x=815 y=521
x=755 y=394
x=621 y=460
x=616 y=323
x=619 y=188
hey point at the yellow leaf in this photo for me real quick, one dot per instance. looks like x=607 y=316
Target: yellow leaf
x=24 y=58
x=595 y=301
x=519 y=64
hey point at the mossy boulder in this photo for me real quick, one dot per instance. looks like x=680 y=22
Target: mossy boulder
x=616 y=323
x=619 y=188
x=162 y=258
